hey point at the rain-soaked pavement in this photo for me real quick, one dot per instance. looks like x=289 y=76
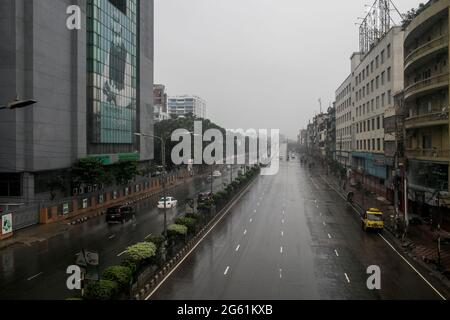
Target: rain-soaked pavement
x=292 y=237
x=289 y=237
x=39 y=271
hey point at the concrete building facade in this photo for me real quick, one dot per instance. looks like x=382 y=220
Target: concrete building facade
x=93 y=88
x=377 y=77
x=344 y=119
x=426 y=98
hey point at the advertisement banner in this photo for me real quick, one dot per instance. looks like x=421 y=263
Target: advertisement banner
x=7 y=224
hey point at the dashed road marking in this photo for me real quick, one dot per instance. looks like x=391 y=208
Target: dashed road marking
x=237 y=248
x=121 y=254
x=281 y=273
x=282 y=233
x=226 y=271
x=329 y=236
x=245 y=232
x=337 y=254
x=35 y=276
x=346 y=277
x=281 y=249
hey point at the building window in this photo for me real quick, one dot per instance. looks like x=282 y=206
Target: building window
x=382 y=57
x=377 y=82
x=378 y=123
x=371 y=67
x=379 y=144
x=373 y=144
x=377 y=62
x=389 y=97
x=383 y=98
x=382 y=78
x=389 y=50
x=427 y=142
x=389 y=74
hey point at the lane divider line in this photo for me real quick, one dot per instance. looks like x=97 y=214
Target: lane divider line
x=35 y=276
x=203 y=238
x=346 y=277
x=226 y=271
x=391 y=246
x=404 y=259
x=237 y=248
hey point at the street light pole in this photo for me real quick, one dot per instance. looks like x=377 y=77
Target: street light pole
x=18 y=104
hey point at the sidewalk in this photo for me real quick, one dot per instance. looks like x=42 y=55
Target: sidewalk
x=43 y=232
x=420 y=242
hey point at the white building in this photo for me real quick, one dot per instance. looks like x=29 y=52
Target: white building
x=187 y=105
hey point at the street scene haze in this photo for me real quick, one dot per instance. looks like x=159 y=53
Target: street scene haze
x=227 y=150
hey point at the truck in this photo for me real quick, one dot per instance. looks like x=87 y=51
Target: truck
x=372 y=219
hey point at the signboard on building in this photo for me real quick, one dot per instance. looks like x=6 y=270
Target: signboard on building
x=7 y=224
x=65 y=208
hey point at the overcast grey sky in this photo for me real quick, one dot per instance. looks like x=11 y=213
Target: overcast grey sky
x=258 y=63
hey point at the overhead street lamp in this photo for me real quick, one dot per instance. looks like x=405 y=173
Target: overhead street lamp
x=163 y=162
x=18 y=104
x=163 y=140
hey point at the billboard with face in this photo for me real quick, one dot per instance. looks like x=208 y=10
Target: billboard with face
x=112 y=68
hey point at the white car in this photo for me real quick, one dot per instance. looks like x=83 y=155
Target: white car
x=171 y=202
x=217 y=174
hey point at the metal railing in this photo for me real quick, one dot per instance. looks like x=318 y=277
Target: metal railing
x=441 y=79
x=425 y=48
x=426 y=118
x=428 y=153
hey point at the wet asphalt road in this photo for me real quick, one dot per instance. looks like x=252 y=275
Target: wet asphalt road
x=38 y=271
x=292 y=237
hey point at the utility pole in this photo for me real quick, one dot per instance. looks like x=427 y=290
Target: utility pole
x=396 y=179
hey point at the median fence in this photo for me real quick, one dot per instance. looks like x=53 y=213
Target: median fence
x=144 y=265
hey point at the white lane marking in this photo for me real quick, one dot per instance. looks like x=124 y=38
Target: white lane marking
x=281 y=273
x=324 y=224
x=121 y=254
x=257 y=204
x=112 y=237
x=281 y=249
x=346 y=277
x=282 y=233
x=148 y=236
x=34 y=277
x=412 y=267
x=226 y=271
x=254 y=211
x=337 y=254
x=282 y=221
x=329 y=236
x=200 y=241
x=245 y=232
x=251 y=220
x=391 y=246
x=237 y=248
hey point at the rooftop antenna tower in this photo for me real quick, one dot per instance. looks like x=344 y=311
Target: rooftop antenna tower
x=377 y=23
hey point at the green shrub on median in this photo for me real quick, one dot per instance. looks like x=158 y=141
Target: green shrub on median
x=119 y=274
x=141 y=253
x=102 y=290
x=177 y=230
x=190 y=223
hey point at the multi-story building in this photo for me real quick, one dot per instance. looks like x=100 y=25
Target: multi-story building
x=344 y=120
x=93 y=87
x=426 y=76
x=378 y=75
x=160 y=103
x=187 y=105
x=331 y=134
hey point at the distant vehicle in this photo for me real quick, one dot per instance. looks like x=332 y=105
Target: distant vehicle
x=217 y=174
x=119 y=214
x=204 y=196
x=373 y=219
x=171 y=202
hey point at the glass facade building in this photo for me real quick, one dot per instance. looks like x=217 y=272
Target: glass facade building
x=112 y=74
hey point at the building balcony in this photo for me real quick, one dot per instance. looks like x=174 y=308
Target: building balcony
x=427 y=51
x=431 y=155
x=427 y=86
x=427 y=120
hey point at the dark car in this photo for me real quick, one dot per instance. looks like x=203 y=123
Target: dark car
x=119 y=214
x=204 y=197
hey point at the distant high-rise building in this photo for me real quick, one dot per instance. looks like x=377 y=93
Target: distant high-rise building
x=187 y=105
x=93 y=87
x=160 y=103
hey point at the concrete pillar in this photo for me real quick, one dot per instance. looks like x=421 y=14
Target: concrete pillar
x=28 y=187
